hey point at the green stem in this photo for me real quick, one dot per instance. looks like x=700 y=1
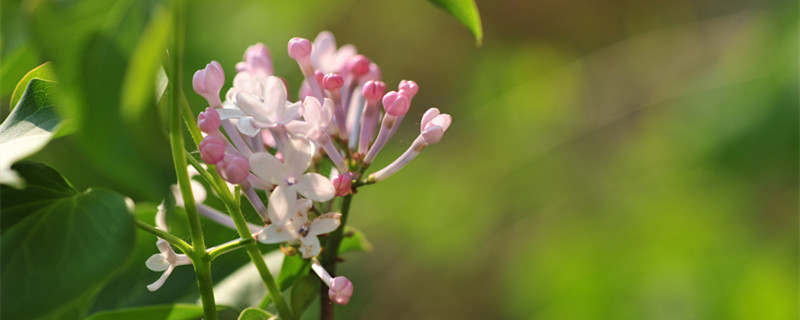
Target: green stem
x=227 y=247
x=200 y=258
x=258 y=259
x=329 y=257
x=172 y=239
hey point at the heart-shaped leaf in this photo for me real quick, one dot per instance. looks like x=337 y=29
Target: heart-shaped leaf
x=62 y=250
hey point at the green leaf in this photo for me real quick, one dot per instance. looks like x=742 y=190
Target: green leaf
x=43 y=71
x=354 y=240
x=27 y=129
x=45 y=186
x=15 y=65
x=178 y=311
x=255 y=314
x=465 y=11
x=91 y=45
x=140 y=79
x=63 y=251
x=304 y=291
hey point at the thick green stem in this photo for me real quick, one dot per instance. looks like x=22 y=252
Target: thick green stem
x=258 y=259
x=200 y=258
x=330 y=255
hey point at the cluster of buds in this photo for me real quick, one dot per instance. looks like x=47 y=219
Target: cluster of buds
x=260 y=138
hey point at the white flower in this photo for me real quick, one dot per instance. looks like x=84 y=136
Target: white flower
x=296 y=227
x=317 y=118
x=288 y=176
x=165 y=261
x=257 y=109
x=326 y=57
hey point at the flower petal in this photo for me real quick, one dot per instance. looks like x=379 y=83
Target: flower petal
x=157 y=262
x=230 y=113
x=299 y=127
x=253 y=106
x=160 y=282
x=268 y=168
x=289 y=112
x=297 y=156
x=281 y=204
x=427 y=117
x=315 y=186
x=248 y=127
x=309 y=246
x=275 y=233
x=274 y=97
x=325 y=223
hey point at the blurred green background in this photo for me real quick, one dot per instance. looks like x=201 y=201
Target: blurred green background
x=608 y=160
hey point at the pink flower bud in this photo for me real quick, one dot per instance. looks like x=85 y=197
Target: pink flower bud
x=209 y=120
x=341 y=290
x=358 y=65
x=299 y=48
x=409 y=87
x=212 y=149
x=209 y=81
x=395 y=104
x=434 y=125
x=320 y=76
x=257 y=61
x=332 y=81
x=373 y=90
x=342 y=184
x=234 y=168
x=373 y=74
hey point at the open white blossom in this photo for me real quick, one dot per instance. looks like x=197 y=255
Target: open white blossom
x=165 y=261
x=296 y=227
x=289 y=178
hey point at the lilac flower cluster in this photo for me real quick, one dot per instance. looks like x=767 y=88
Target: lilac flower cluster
x=270 y=141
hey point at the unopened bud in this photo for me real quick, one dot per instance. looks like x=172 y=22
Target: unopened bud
x=373 y=90
x=395 y=104
x=341 y=290
x=234 y=168
x=358 y=65
x=409 y=87
x=299 y=48
x=212 y=149
x=342 y=184
x=332 y=81
x=209 y=120
x=208 y=82
x=434 y=125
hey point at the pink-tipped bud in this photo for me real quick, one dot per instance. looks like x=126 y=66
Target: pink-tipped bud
x=209 y=120
x=212 y=149
x=332 y=81
x=373 y=90
x=434 y=125
x=299 y=48
x=257 y=61
x=209 y=81
x=234 y=168
x=342 y=184
x=341 y=290
x=409 y=87
x=358 y=65
x=395 y=103
x=320 y=76
x=373 y=74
